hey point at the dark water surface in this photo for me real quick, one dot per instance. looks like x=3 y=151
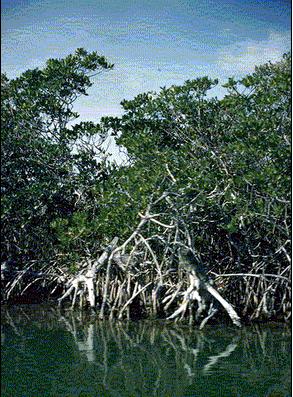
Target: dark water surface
x=50 y=353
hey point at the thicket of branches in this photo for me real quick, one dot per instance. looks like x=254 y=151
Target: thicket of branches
x=197 y=220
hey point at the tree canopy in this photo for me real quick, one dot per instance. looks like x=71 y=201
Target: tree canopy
x=45 y=164
x=216 y=172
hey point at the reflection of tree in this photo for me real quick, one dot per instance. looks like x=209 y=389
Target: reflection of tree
x=2 y=336
x=214 y=359
x=159 y=359
x=84 y=339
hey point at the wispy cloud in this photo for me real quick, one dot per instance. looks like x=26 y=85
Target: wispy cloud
x=241 y=57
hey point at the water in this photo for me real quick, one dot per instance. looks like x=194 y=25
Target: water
x=49 y=353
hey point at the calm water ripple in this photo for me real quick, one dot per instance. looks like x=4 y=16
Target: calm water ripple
x=46 y=352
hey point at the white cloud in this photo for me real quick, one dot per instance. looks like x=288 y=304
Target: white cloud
x=241 y=57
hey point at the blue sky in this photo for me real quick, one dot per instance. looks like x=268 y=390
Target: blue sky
x=152 y=43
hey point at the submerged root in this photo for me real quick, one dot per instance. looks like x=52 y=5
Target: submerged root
x=156 y=273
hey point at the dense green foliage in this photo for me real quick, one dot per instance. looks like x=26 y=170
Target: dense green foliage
x=238 y=147
x=225 y=165
x=230 y=157
x=42 y=176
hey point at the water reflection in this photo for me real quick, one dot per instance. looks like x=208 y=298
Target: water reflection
x=83 y=337
x=147 y=358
